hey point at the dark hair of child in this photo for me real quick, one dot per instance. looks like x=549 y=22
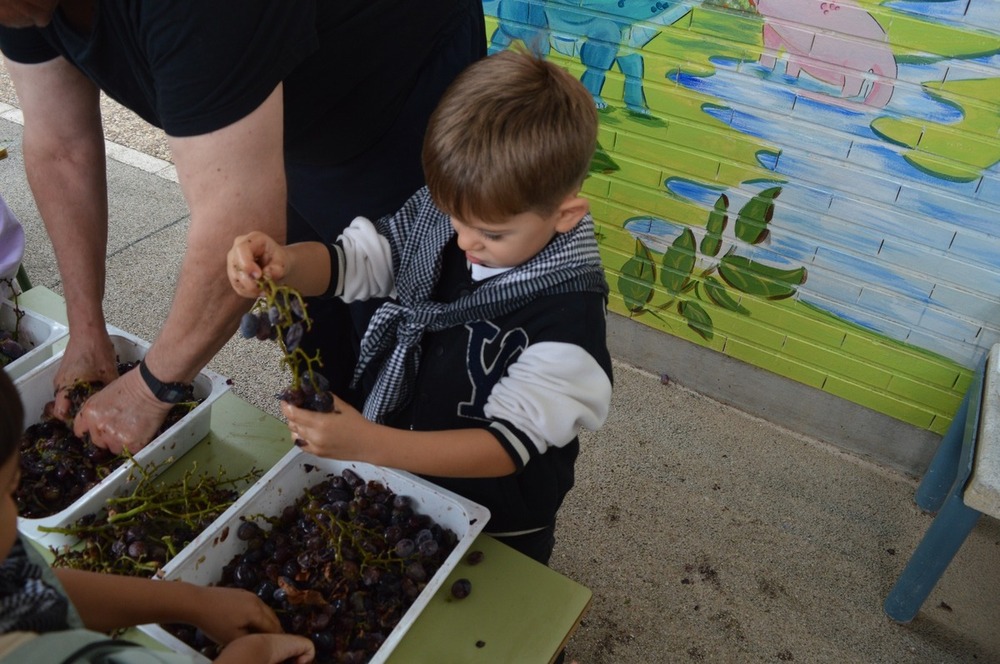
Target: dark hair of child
x=513 y=133
x=11 y=418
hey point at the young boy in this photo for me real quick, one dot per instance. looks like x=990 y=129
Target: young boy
x=46 y=617
x=493 y=356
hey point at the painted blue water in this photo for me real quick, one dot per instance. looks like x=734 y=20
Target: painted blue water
x=868 y=225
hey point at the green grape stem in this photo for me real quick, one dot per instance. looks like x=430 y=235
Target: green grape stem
x=281 y=297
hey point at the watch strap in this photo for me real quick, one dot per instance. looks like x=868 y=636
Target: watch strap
x=165 y=392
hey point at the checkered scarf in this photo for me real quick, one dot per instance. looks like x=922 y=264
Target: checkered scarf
x=417 y=235
x=28 y=603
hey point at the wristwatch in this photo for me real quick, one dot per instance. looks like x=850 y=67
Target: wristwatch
x=165 y=392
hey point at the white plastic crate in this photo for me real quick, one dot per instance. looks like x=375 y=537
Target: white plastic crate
x=202 y=561
x=36 y=388
x=37 y=333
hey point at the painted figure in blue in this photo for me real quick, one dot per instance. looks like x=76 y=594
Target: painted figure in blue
x=600 y=33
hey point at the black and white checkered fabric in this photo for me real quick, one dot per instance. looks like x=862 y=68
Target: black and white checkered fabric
x=417 y=235
x=27 y=602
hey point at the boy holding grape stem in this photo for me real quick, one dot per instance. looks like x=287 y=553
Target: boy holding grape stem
x=481 y=372
x=47 y=615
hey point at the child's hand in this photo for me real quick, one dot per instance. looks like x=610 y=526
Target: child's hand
x=337 y=434
x=226 y=614
x=254 y=255
x=268 y=649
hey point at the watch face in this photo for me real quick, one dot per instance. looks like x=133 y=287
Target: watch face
x=174 y=393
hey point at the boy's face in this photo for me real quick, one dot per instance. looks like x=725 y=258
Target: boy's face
x=10 y=475
x=516 y=239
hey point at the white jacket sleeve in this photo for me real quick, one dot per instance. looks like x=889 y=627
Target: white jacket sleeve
x=550 y=393
x=365 y=269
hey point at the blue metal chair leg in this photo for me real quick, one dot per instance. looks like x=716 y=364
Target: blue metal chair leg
x=940 y=475
x=940 y=544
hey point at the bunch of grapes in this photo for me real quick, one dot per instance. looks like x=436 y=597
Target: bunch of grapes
x=340 y=565
x=57 y=467
x=11 y=347
x=280 y=315
x=137 y=533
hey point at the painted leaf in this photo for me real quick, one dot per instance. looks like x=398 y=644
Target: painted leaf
x=755 y=278
x=637 y=277
x=602 y=162
x=678 y=262
x=751 y=223
x=718 y=294
x=697 y=318
x=717 y=221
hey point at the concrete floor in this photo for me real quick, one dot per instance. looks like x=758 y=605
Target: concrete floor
x=705 y=533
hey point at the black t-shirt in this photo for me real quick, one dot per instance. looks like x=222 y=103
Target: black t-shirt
x=195 y=67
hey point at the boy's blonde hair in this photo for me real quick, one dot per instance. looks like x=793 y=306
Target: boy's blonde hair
x=512 y=134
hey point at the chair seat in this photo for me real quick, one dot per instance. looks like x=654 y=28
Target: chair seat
x=983 y=490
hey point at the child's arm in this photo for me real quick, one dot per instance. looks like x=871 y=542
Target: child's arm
x=455 y=453
x=550 y=393
x=107 y=602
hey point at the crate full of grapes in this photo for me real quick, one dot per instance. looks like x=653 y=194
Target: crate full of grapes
x=26 y=338
x=63 y=475
x=346 y=553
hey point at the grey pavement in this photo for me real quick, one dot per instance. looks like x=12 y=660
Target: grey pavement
x=706 y=534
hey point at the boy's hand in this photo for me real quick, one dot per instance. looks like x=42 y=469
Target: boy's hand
x=336 y=435
x=226 y=614
x=254 y=255
x=268 y=649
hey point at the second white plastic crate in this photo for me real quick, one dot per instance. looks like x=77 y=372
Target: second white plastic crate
x=36 y=389
x=202 y=561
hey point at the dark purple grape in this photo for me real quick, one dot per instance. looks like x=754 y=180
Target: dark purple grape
x=266 y=590
x=475 y=557
x=321 y=402
x=248 y=325
x=293 y=337
x=296 y=306
x=405 y=548
x=320 y=382
x=248 y=530
x=416 y=571
x=352 y=478
x=428 y=548
x=461 y=588
x=293 y=397
x=265 y=330
x=245 y=576
x=274 y=315
x=12 y=349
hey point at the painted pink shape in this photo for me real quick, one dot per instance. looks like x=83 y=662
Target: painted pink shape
x=835 y=42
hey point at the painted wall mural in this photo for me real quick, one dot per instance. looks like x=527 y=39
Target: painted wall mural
x=806 y=185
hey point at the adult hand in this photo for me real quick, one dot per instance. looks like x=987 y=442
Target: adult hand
x=254 y=255
x=87 y=359
x=123 y=415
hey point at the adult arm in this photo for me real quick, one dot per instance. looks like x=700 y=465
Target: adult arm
x=65 y=166
x=233 y=180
